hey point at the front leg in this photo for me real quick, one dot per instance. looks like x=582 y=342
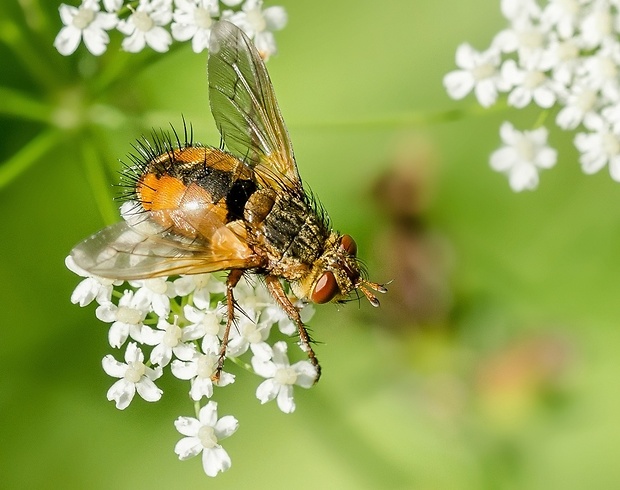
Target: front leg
x=277 y=291
x=232 y=280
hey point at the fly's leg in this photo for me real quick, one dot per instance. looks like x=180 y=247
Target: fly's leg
x=233 y=278
x=275 y=288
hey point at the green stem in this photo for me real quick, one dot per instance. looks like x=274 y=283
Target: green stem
x=18 y=104
x=406 y=119
x=40 y=70
x=30 y=154
x=98 y=181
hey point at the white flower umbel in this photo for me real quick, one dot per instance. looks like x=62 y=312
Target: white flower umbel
x=202 y=435
x=281 y=376
x=523 y=155
x=560 y=55
x=133 y=376
x=87 y=23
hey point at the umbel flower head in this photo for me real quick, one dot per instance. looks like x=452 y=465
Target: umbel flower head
x=157 y=23
x=185 y=338
x=555 y=54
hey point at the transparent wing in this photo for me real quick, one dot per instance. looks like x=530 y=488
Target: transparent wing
x=244 y=106
x=146 y=249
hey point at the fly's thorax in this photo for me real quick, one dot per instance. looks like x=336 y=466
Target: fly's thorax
x=334 y=275
x=288 y=229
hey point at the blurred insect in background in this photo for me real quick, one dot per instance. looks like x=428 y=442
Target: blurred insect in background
x=202 y=209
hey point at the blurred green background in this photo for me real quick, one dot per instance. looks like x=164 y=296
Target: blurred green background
x=494 y=360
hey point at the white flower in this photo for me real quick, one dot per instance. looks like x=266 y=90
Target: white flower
x=133 y=376
x=84 y=22
x=168 y=339
x=530 y=82
x=601 y=71
x=524 y=154
x=200 y=368
x=193 y=20
x=112 y=5
x=259 y=24
x=126 y=318
x=281 y=377
x=564 y=15
x=203 y=435
x=203 y=322
x=145 y=26
x=91 y=288
x=518 y=10
x=524 y=37
x=581 y=102
x=479 y=72
x=247 y=333
x=203 y=287
x=597 y=26
x=599 y=148
x=158 y=291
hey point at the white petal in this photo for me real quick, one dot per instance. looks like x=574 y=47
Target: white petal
x=486 y=92
x=133 y=353
x=226 y=426
x=183 y=32
x=148 y=390
x=503 y=159
x=117 y=335
x=285 y=400
x=214 y=460
x=106 y=312
x=267 y=390
x=188 y=447
x=183 y=370
x=112 y=367
x=519 y=97
x=85 y=292
x=306 y=374
x=569 y=117
x=188 y=426
x=208 y=414
x=133 y=43
x=546 y=158
x=458 y=83
x=67 y=12
x=201 y=387
x=275 y=17
x=122 y=392
x=67 y=40
x=158 y=38
x=522 y=177
x=544 y=97
x=508 y=133
x=614 y=168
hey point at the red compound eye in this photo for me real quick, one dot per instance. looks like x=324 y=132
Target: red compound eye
x=326 y=288
x=348 y=245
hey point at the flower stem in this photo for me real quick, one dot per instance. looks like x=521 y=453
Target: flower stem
x=18 y=104
x=98 y=182
x=407 y=119
x=29 y=154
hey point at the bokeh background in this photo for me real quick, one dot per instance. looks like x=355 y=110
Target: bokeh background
x=494 y=360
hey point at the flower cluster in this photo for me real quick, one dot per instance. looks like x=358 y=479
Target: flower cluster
x=176 y=325
x=560 y=55
x=156 y=23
